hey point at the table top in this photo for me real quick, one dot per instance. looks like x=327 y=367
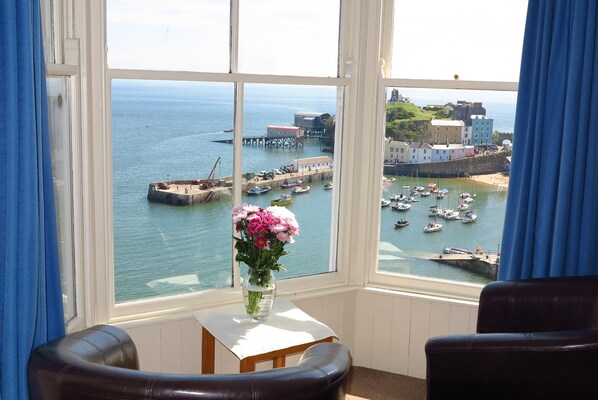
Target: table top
x=286 y=326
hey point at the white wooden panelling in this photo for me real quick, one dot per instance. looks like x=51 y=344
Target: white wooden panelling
x=171 y=348
x=418 y=335
x=191 y=342
x=150 y=348
x=401 y=330
x=382 y=337
x=364 y=329
x=439 y=319
x=384 y=330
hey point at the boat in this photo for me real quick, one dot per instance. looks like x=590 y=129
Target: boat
x=425 y=194
x=469 y=217
x=328 y=185
x=433 y=211
x=401 y=223
x=411 y=199
x=455 y=250
x=395 y=197
x=284 y=200
x=432 y=227
x=301 y=189
x=463 y=206
x=401 y=206
x=451 y=214
x=290 y=184
x=384 y=202
x=259 y=190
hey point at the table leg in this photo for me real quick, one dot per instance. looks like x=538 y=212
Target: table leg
x=208 y=349
x=247 y=365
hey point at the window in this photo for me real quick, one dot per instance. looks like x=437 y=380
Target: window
x=186 y=146
x=411 y=252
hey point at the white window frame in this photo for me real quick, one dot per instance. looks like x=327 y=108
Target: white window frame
x=413 y=283
x=96 y=90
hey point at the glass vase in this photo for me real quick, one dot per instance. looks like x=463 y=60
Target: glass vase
x=259 y=292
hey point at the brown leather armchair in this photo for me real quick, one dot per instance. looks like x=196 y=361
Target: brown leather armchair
x=537 y=339
x=101 y=363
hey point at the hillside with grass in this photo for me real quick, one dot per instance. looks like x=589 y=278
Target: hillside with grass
x=408 y=122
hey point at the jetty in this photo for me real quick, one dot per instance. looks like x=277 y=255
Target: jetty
x=485 y=264
x=265 y=141
x=191 y=192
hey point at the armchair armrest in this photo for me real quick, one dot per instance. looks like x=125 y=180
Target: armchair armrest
x=547 y=365
x=539 y=305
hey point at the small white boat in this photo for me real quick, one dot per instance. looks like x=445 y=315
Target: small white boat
x=328 y=185
x=395 y=197
x=463 y=206
x=401 y=206
x=424 y=194
x=467 y=200
x=419 y=188
x=469 y=217
x=411 y=199
x=384 y=202
x=432 y=227
x=301 y=189
x=451 y=214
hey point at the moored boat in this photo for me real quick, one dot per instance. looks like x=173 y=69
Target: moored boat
x=432 y=227
x=401 y=206
x=301 y=189
x=289 y=184
x=259 y=190
x=384 y=202
x=401 y=223
x=284 y=200
x=455 y=250
x=328 y=185
x=469 y=217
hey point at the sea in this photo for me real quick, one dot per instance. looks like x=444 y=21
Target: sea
x=164 y=130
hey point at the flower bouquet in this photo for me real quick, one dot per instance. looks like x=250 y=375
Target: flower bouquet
x=263 y=233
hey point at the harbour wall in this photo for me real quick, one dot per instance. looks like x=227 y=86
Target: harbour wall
x=479 y=165
x=188 y=192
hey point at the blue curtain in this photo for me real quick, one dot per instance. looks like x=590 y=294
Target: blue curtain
x=551 y=224
x=30 y=294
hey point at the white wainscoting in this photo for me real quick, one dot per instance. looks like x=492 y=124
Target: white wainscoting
x=385 y=330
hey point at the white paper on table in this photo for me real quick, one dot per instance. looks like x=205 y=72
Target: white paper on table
x=286 y=326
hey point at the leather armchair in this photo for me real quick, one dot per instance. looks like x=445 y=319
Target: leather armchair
x=536 y=339
x=101 y=363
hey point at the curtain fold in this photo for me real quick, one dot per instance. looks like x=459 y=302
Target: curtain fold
x=30 y=294
x=551 y=215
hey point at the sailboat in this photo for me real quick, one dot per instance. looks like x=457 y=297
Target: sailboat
x=470 y=216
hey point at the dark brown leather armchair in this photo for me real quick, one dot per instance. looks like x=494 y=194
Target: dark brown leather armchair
x=537 y=339
x=101 y=363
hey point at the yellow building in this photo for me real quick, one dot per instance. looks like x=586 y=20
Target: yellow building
x=443 y=131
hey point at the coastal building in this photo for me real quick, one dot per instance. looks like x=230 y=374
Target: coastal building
x=420 y=153
x=481 y=130
x=312 y=123
x=444 y=131
x=310 y=164
x=395 y=151
x=280 y=132
x=466 y=135
x=464 y=110
x=447 y=152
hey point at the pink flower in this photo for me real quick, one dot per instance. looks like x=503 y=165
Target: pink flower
x=283 y=237
x=261 y=243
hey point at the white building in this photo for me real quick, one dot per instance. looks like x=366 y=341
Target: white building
x=395 y=151
x=446 y=152
x=420 y=153
x=278 y=131
x=310 y=164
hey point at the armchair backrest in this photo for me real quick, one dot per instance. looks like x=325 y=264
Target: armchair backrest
x=539 y=305
x=101 y=363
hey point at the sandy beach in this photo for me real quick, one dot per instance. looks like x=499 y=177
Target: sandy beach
x=498 y=179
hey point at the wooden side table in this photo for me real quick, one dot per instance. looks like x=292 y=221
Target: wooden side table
x=287 y=331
